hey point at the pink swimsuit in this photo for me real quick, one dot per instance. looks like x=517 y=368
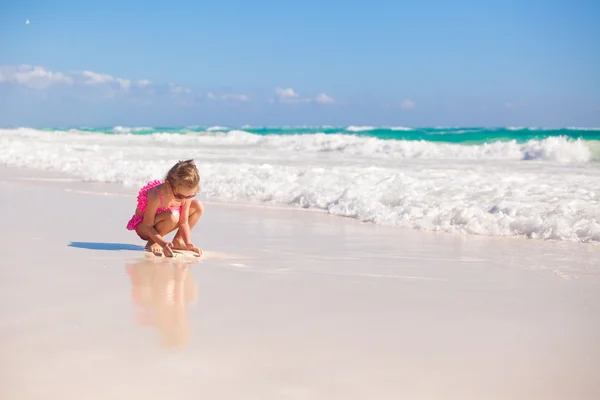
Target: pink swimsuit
x=142 y=199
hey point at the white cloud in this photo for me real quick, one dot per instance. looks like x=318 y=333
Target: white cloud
x=40 y=78
x=176 y=89
x=34 y=77
x=324 y=99
x=407 y=104
x=96 y=85
x=290 y=96
x=225 y=97
x=509 y=105
x=286 y=94
x=109 y=86
x=101 y=85
x=238 y=97
x=95 y=78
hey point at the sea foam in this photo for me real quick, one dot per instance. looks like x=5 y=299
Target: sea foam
x=546 y=189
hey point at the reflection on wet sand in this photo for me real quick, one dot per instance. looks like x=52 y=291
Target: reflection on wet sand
x=161 y=292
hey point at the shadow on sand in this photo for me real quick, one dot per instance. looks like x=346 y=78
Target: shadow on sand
x=106 y=246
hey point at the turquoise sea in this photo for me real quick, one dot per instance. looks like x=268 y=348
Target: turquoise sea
x=466 y=135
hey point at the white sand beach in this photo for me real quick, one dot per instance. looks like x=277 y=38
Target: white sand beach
x=285 y=304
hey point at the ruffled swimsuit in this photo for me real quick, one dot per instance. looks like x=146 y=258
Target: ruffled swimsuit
x=142 y=203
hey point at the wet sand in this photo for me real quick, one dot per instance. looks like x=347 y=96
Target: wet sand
x=284 y=305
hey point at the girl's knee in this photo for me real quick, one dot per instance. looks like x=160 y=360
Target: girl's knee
x=172 y=216
x=197 y=206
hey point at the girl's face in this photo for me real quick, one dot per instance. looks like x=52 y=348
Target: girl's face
x=183 y=192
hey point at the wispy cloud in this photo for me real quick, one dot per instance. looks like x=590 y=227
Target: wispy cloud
x=228 y=96
x=33 y=77
x=95 y=78
x=238 y=97
x=89 y=83
x=407 y=104
x=286 y=94
x=37 y=77
x=176 y=89
x=324 y=99
x=92 y=85
x=289 y=95
x=107 y=86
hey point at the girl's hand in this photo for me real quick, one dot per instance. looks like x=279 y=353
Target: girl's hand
x=167 y=249
x=193 y=248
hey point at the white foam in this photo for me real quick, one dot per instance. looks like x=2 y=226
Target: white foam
x=559 y=149
x=575 y=128
x=124 y=129
x=541 y=189
x=116 y=129
x=353 y=128
x=217 y=128
x=528 y=128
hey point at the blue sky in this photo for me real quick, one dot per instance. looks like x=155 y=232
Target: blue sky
x=412 y=63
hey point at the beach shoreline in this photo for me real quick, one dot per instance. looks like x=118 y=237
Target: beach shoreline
x=540 y=188
x=283 y=305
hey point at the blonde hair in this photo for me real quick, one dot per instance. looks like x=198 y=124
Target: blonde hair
x=184 y=173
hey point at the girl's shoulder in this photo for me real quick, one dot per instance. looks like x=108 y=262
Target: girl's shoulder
x=151 y=184
x=154 y=193
x=151 y=189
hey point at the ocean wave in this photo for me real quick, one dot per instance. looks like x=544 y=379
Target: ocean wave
x=575 y=128
x=126 y=129
x=217 y=128
x=353 y=128
x=457 y=135
x=478 y=189
x=558 y=149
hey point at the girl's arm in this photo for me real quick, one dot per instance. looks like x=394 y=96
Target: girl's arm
x=146 y=227
x=184 y=226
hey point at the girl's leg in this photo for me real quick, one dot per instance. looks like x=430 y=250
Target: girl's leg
x=164 y=223
x=196 y=210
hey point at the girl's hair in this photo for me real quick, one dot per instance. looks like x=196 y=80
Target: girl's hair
x=184 y=173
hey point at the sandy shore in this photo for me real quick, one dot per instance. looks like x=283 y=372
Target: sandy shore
x=284 y=305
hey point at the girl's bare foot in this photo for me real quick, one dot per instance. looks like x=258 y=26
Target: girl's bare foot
x=154 y=248
x=178 y=244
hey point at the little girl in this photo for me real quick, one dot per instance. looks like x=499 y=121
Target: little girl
x=165 y=206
